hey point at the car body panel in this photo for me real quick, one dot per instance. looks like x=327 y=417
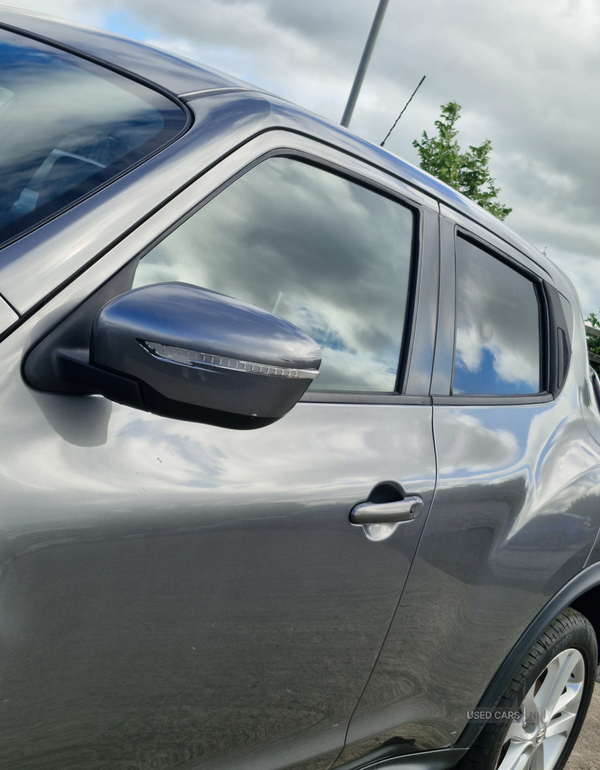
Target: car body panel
x=474 y=584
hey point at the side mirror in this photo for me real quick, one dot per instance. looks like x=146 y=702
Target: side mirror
x=179 y=351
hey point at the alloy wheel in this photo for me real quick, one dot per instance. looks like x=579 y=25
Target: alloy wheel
x=535 y=739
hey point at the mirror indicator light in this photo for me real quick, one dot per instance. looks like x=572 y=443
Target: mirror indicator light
x=195 y=358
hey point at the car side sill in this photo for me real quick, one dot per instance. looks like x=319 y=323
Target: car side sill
x=384 y=759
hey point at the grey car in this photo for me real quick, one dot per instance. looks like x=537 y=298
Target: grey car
x=299 y=448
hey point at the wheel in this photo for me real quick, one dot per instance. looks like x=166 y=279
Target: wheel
x=549 y=698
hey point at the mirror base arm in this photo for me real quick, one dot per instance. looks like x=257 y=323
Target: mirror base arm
x=73 y=366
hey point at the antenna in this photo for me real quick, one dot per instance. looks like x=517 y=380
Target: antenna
x=404 y=108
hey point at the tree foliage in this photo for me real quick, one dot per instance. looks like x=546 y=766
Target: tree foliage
x=468 y=171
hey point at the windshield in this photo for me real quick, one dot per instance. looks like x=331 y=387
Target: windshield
x=68 y=126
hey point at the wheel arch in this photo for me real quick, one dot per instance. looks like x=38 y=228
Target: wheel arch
x=582 y=593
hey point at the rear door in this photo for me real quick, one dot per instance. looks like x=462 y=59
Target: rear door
x=514 y=515
x=191 y=596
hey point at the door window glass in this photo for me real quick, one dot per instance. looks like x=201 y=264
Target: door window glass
x=331 y=256
x=497 y=348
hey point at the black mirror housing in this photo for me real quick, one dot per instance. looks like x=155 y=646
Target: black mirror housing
x=189 y=353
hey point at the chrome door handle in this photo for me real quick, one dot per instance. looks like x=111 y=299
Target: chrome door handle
x=387 y=513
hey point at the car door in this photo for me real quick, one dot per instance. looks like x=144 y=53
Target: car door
x=515 y=510
x=183 y=595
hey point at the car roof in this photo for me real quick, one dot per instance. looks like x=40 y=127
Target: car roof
x=185 y=78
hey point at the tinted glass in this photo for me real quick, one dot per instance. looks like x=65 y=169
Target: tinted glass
x=67 y=126
x=497 y=326
x=329 y=255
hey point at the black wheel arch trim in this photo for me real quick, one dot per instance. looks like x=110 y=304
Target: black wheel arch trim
x=584 y=581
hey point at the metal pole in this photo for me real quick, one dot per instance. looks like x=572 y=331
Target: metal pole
x=364 y=62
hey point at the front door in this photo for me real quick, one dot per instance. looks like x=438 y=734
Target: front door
x=186 y=596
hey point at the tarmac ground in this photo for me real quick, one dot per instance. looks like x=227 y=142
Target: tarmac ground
x=586 y=754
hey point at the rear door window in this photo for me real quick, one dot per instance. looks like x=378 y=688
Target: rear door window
x=68 y=126
x=498 y=326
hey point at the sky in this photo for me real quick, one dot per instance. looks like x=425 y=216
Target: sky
x=526 y=73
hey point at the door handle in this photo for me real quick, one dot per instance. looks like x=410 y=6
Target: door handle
x=406 y=509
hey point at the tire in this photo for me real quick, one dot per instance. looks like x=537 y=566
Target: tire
x=543 y=735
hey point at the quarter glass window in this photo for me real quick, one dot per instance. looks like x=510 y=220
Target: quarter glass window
x=497 y=326
x=329 y=255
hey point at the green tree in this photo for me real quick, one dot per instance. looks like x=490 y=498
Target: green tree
x=468 y=171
